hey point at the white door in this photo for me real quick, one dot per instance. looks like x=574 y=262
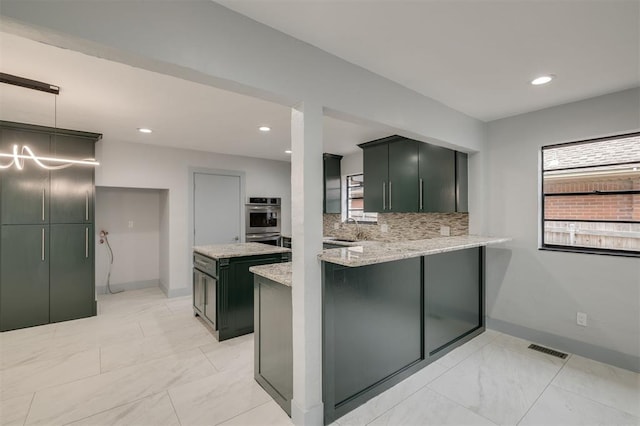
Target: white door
x=216 y=209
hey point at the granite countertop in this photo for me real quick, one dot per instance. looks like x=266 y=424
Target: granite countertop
x=278 y=272
x=370 y=254
x=225 y=251
x=332 y=240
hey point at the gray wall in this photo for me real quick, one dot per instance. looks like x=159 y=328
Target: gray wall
x=136 y=249
x=534 y=293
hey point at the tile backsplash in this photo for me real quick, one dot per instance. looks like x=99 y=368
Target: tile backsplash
x=401 y=226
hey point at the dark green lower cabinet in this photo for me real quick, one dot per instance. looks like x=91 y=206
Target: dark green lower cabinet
x=452 y=297
x=384 y=322
x=273 y=368
x=224 y=296
x=72 y=288
x=24 y=276
x=372 y=331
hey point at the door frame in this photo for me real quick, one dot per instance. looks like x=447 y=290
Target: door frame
x=218 y=172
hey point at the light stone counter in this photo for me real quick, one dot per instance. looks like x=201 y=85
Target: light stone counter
x=278 y=272
x=387 y=252
x=225 y=251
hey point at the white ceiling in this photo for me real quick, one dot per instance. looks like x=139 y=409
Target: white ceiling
x=476 y=56
x=107 y=97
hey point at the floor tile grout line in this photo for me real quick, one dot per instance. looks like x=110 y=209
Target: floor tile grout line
x=244 y=412
x=543 y=391
x=109 y=409
x=460 y=405
x=407 y=397
x=29 y=409
x=593 y=400
x=173 y=406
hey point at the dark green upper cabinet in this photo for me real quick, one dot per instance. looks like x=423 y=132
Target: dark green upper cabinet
x=332 y=183
x=462 y=182
x=72 y=187
x=405 y=176
x=391 y=175
x=376 y=174
x=25 y=193
x=437 y=179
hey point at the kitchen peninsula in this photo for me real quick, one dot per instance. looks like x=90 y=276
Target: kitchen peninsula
x=389 y=309
x=223 y=285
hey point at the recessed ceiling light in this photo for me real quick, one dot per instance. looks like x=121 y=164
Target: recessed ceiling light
x=288 y=151
x=144 y=130
x=264 y=128
x=543 y=79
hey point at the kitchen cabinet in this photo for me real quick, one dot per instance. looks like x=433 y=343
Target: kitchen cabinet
x=72 y=189
x=273 y=348
x=24 y=193
x=223 y=290
x=71 y=272
x=49 y=213
x=462 y=182
x=453 y=297
x=437 y=171
x=332 y=183
x=24 y=276
x=391 y=175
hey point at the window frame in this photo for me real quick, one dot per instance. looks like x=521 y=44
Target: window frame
x=576 y=249
x=348 y=198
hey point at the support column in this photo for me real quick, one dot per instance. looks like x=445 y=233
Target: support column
x=306 y=217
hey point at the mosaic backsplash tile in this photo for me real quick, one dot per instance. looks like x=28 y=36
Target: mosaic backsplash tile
x=401 y=226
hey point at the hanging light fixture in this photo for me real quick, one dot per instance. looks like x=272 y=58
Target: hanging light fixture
x=19 y=155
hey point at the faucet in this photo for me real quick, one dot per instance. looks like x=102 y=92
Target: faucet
x=359 y=234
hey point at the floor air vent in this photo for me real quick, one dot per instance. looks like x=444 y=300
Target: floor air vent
x=547 y=351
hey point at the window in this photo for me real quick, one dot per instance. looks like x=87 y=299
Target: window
x=591 y=195
x=355 y=200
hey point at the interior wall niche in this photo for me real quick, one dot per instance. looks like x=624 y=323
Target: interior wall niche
x=133 y=219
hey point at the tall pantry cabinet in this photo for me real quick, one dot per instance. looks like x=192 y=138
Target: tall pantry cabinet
x=46 y=228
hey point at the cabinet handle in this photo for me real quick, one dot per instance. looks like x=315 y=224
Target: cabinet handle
x=384 y=196
x=86 y=243
x=390 y=196
x=86 y=206
x=42 y=250
x=43 y=204
x=421 y=191
x=201 y=263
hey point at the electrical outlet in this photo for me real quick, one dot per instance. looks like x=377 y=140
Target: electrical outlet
x=445 y=231
x=581 y=319
x=384 y=228
x=336 y=225
x=130 y=224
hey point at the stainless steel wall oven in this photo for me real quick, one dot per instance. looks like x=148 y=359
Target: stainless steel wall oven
x=263 y=220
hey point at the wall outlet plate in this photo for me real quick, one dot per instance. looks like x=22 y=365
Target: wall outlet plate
x=581 y=319
x=384 y=228
x=445 y=231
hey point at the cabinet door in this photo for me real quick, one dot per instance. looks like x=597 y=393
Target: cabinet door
x=198 y=291
x=376 y=175
x=24 y=276
x=438 y=179
x=403 y=185
x=210 y=297
x=452 y=296
x=462 y=182
x=25 y=193
x=332 y=183
x=72 y=288
x=72 y=188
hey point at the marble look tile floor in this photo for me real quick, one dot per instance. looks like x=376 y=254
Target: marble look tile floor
x=145 y=360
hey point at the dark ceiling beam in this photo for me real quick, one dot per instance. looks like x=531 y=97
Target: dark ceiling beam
x=29 y=84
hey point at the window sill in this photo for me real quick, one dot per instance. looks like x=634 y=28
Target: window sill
x=586 y=250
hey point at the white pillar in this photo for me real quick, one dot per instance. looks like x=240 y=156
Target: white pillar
x=306 y=217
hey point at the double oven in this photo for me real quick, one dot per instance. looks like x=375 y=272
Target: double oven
x=263 y=220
